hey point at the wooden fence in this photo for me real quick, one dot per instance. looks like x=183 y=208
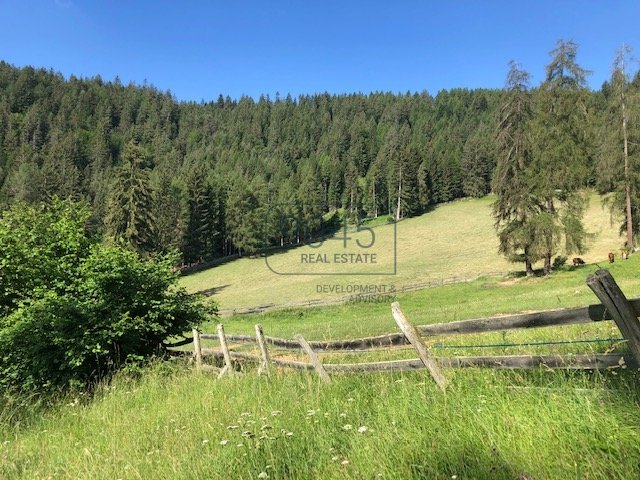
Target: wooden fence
x=365 y=296
x=614 y=307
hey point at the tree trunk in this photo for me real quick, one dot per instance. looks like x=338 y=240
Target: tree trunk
x=527 y=264
x=375 y=206
x=399 y=196
x=627 y=181
x=547 y=264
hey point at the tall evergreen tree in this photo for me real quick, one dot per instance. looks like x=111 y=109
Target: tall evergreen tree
x=129 y=216
x=619 y=150
x=561 y=149
x=516 y=205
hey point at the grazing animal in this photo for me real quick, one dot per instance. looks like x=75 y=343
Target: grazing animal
x=577 y=261
x=624 y=254
x=612 y=257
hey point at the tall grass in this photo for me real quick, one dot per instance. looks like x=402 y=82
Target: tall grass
x=170 y=422
x=493 y=425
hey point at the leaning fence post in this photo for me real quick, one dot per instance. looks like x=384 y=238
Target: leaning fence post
x=423 y=352
x=264 y=367
x=197 y=349
x=225 y=351
x=607 y=290
x=313 y=357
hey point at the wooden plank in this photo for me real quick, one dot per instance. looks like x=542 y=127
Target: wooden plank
x=313 y=357
x=180 y=343
x=254 y=358
x=568 y=316
x=607 y=290
x=197 y=349
x=423 y=352
x=264 y=366
x=581 y=362
x=225 y=351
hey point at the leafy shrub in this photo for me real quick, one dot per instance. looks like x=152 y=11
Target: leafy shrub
x=86 y=309
x=560 y=261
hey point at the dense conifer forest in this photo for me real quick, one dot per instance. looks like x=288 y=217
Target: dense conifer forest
x=216 y=178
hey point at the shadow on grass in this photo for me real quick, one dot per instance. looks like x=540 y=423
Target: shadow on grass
x=208 y=292
x=467 y=458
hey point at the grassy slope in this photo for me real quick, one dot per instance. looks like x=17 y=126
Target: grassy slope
x=456 y=239
x=491 y=424
x=484 y=297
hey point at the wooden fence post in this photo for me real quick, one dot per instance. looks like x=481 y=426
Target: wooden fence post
x=607 y=290
x=264 y=366
x=197 y=348
x=225 y=351
x=423 y=352
x=313 y=357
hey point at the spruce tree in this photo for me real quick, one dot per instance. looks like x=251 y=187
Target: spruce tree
x=561 y=150
x=129 y=216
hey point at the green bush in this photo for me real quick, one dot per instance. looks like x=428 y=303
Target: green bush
x=86 y=309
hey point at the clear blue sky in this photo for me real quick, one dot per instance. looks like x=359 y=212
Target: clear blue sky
x=201 y=49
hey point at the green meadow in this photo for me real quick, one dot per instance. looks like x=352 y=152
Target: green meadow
x=453 y=240
x=168 y=421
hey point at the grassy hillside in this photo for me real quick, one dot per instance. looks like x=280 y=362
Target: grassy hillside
x=484 y=297
x=453 y=240
x=173 y=423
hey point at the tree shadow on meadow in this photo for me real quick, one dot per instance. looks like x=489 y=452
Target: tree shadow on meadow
x=470 y=459
x=208 y=292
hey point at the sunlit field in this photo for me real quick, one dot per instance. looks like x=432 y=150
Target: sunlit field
x=171 y=422
x=454 y=240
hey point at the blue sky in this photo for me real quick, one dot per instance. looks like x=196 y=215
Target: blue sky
x=201 y=49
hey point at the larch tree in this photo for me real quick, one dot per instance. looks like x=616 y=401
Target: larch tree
x=619 y=149
x=561 y=153
x=515 y=206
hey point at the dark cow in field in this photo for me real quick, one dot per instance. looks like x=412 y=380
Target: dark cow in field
x=577 y=261
x=612 y=257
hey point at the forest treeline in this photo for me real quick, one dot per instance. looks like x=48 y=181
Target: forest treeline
x=222 y=177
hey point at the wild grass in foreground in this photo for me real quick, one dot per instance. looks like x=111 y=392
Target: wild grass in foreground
x=493 y=425
x=174 y=423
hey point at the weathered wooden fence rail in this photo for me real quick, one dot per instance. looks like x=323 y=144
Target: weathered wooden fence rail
x=614 y=307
